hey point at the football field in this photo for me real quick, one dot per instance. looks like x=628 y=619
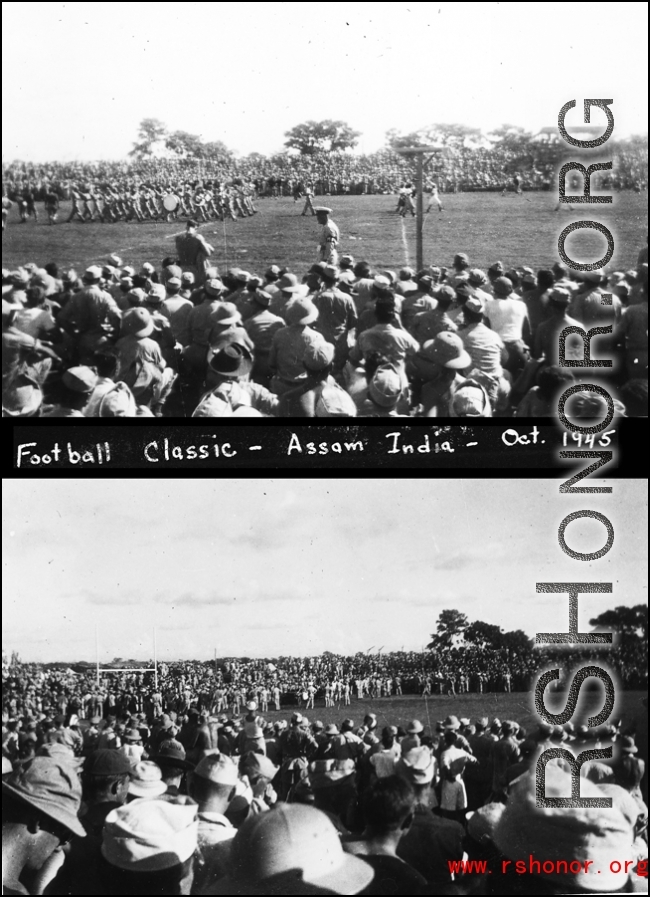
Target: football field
x=399 y=709
x=518 y=230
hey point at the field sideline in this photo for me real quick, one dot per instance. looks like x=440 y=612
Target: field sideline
x=518 y=230
x=515 y=705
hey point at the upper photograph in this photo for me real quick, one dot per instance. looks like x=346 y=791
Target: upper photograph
x=351 y=211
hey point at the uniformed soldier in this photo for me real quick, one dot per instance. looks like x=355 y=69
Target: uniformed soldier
x=330 y=236
x=77 y=209
x=193 y=251
x=6 y=205
x=51 y=205
x=309 y=205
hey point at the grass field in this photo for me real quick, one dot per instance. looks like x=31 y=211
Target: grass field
x=517 y=705
x=516 y=229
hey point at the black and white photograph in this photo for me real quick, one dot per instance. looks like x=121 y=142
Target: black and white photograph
x=291 y=686
x=357 y=210
x=275 y=656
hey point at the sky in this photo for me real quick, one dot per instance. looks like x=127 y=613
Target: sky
x=265 y=567
x=79 y=77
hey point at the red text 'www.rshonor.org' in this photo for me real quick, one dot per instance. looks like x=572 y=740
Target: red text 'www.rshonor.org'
x=531 y=866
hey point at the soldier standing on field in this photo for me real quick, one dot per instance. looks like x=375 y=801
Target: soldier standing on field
x=330 y=236
x=76 y=197
x=193 y=251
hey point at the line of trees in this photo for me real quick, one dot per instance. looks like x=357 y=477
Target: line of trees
x=322 y=138
x=154 y=138
x=453 y=630
x=311 y=138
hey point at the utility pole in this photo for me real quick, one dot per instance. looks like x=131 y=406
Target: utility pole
x=419 y=153
x=155 y=660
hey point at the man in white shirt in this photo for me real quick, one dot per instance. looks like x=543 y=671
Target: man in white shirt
x=434 y=198
x=330 y=236
x=508 y=316
x=213 y=786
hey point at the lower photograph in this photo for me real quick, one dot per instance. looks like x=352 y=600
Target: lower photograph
x=329 y=686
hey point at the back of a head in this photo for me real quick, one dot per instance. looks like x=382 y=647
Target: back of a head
x=213 y=782
x=472 y=317
x=106 y=362
x=559 y=839
x=545 y=279
x=385 y=308
x=553 y=380
x=105 y=788
x=148 y=847
x=294 y=849
x=387 y=803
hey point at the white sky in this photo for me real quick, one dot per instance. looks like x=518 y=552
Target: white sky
x=269 y=567
x=79 y=77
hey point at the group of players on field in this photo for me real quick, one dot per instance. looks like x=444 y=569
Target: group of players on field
x=140 y=202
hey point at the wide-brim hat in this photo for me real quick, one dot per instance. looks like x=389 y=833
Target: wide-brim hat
x=132 y=735
x=560 y=296
x=214 y=288
x=288 y=283
x=226 y=314
x=417 y=765
x=415 y=727
x=147 y=789
x=583 y=834
x=327 y=773
x=301 y=311
x=470 y=400
x=52 y=787
x=451 y=723
x=293 y=850
x=171 y=757
x=481 y=824
x=232 y=360
x=138 y=323
x=23 y=398
x=447 y=350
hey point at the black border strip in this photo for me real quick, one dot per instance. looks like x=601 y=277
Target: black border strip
x=477 y=450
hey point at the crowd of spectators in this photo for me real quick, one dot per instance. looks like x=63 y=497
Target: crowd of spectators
x=133 y=786
x=339 y=340
x=227 y=685
x=459 y=168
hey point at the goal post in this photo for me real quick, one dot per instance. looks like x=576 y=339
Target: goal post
x=153 y=669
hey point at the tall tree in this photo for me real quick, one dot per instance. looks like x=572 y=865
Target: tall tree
x=516 y=640
x=510 y=136
x=215 y=149
x=450 y=135
x=150 y=132
x=450 y=625
x=313 y=137
x=631 y=622
x=184 y=144
x=484 y=635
